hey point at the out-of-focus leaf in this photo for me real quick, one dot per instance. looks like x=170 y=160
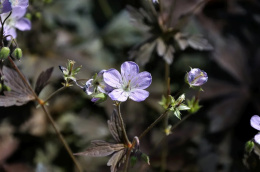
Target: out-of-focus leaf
x=161 y=47
x=226 y=113
x=116 y=160
x=144 y=53
x=168 y=56
x=198 y=42
x=42 y=80
x=20 y=94
x=100 y=149
x=115 y=127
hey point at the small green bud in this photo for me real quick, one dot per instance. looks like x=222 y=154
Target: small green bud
x=249 y=146
x=4 y=53
x=145 y=158
x=17 y=53
x=133 y=161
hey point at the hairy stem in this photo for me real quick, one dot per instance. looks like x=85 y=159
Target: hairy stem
x=47 y=114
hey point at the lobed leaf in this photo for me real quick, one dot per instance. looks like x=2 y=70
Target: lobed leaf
x=115 y=127
x=20 y=94
x=101 y=148
x=116 y=160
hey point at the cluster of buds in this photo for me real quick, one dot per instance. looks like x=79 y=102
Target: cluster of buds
x=69 y=73
x=5 y=53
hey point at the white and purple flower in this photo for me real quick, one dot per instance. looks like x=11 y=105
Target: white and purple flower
x=196 y=77
x=16 y=21
x=255 y=123
x=129 y=84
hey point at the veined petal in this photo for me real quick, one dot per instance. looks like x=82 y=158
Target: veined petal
x=19 y=3
x=18 y=13
x=113 y=78
x=10 y=31
x=119 y=95
x=257 y=138
x=138 y=95
x=129 y=70
x=23 y=24
x=255 y=122
x=141 y=81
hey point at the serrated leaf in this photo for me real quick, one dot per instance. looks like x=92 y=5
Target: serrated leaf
x=115 y=127
x=20 y=94
x=100 y=149
x=116 y=160
x=42 y=80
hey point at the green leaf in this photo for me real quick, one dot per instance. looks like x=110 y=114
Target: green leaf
x=180 y=99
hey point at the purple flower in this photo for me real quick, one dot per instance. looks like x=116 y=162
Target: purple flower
x=19 y=3
x=255 y=123
x=5 y=6
x=130 y=83
x=16 y=21
x=196 y=77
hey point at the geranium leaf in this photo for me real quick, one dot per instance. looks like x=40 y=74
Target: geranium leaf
x=20 y=94
x=115 y=127
x=42 y=80
x=101 y=148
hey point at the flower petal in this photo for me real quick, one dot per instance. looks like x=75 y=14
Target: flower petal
x=23 y=24
x=257 y=138
x=141 y=81
x=119 y=95
x=18 y=13
x=10 y=31
x=129 y=70
x=113 y=78
x=5 y=6
x=138 y=95
x=255 y=122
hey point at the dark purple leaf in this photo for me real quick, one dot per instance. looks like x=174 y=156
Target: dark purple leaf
x=115 y=127
x=20 y=94
x=101 y=148
x=116 y=160
x=42 y=80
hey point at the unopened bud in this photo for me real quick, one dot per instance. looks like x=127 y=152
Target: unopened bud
x=17 y=53
x=4 y=53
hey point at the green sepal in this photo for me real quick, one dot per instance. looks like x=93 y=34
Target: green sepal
x=193 y=105
x=249 y=146
x=177 y=113
x=180 y=99
x=145 y=158
x=165 y=102
x=183 y=107
x=101 y=96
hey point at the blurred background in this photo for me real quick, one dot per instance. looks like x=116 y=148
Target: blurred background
x=99 y=34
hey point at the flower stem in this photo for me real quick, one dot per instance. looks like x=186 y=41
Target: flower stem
x=127 y=142
x=54 y=93
x=47 y=114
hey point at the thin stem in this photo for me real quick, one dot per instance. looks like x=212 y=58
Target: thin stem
x=53 y=94
x=122 y=124
x=153 y=124
x=47 y=114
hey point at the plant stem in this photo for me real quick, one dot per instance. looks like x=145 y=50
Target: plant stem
x=122 y=124
x=47 y=114
x=54 y=93
x=153 y=124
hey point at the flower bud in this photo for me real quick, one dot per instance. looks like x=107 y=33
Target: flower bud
x=4 y=53
x=196 y=77
x=17 y=53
